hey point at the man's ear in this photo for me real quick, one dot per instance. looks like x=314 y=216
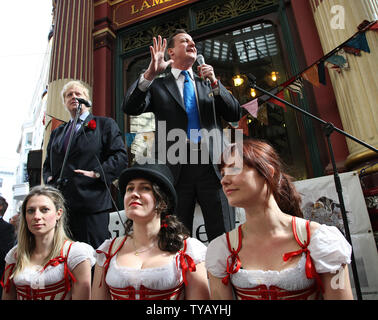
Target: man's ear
x=170 y=53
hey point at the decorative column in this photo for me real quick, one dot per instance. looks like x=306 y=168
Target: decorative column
x=355 y=89
x=104 y=41
x=71 y=56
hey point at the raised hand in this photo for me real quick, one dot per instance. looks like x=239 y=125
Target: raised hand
x=158 y=63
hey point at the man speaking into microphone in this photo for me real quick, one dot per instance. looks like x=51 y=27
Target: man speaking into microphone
x=95 y=156
x=186 y=101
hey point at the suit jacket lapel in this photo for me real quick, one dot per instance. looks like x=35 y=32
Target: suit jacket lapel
x=60 y=137
x=76 y=136
x=171 y=85
x=202 y=90
x=83 y=125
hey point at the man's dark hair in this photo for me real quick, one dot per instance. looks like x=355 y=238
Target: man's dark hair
x=3 y=205
x=170 y=42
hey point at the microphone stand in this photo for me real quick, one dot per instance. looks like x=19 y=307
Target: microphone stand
x=328 y=129
x=62 y=182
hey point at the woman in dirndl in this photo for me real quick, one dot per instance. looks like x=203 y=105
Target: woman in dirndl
x=156 y=259
x=275 y=254
x=46 y=264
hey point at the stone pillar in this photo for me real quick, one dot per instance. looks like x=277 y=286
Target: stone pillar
x=355 y=89
x=104 y=42
x=71 y=56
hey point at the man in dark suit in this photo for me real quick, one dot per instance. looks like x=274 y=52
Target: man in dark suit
x=167 y=98
x=96 y=157
x=7 y=237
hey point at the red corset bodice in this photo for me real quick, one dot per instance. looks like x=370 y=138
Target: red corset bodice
x=262 y=292
x=183 y=260
x=129 y=293
x=55 y=291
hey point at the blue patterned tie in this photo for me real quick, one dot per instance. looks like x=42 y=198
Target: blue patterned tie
x=190 y=102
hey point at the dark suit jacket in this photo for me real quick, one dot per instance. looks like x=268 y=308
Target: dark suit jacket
x=165 y=101
x=7 y=241
x=84 y=194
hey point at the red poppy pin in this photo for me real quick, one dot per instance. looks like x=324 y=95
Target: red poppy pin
x=91 y=124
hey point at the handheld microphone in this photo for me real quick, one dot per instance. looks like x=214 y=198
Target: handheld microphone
x=87 y=103
x=201 y=61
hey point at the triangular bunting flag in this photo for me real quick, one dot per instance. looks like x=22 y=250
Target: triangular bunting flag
x=312 y=75
x=296 y=87
x=130 y=139
x=338 y=60
x=333 y=67
x=321 y=73
x=243 y=124
x=288 y=82
x=278 y=103
x=363 y=25
x=359 y=42
x=354 y=51
x=252 y=107
x=234 y=124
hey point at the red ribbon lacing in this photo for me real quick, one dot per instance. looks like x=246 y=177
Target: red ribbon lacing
x=233 y=260
x=109 y=255
x=309 y=267
x=186 y=263
x=6 y=286
x=68 y=276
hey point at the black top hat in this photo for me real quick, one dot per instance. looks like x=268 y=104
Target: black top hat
x=154 y=172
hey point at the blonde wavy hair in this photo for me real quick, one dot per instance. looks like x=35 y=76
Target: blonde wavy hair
x=26 y=240
x=74 y=83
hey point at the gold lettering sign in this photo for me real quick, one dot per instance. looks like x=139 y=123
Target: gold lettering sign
x=129 y=12
x=147 y=4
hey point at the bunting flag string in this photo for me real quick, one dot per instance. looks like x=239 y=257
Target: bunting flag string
x=315 y=73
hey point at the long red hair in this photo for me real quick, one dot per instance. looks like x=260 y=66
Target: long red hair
x=262 y=157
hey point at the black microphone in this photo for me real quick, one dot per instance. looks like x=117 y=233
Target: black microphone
x=87 y=103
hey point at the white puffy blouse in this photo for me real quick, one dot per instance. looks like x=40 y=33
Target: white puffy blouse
x=328 y=248
x=35 y=277
x=160 y=278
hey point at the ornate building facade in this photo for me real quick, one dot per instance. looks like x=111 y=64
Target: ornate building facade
x=105 y=44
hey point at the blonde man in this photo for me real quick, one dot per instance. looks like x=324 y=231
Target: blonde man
x=96 y=157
